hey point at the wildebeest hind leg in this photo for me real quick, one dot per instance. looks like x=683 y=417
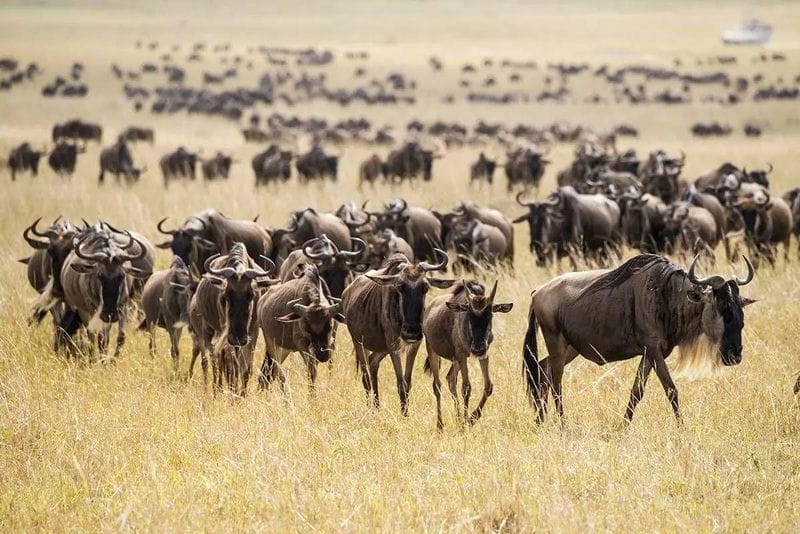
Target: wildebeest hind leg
x=466 y=388
x=375 y=359
x=452 y=382
x=433 y=362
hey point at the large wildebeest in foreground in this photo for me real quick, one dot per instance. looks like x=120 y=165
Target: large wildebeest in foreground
x=383 y=311
x=222 y=316
x=63 y=157
x=117 y=160
x=457 y=325
x=165 y=301
x=97 y=278
x=649 y=307
x=297 y=316
x=24 y=159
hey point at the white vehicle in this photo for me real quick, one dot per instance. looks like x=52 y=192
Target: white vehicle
x=752 y=32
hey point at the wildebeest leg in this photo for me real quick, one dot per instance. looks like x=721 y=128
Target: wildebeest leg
x=175 y=339
x=433 y=363
x=402 y=387
x=561 y=353
x=466 y=387
x=666 y=380
x=637 y=392
x=411 y=357
x=311 y=365
x=375 y=359
x=121 y=325
x=362 y=364
x=452 y=382
x=487 y=391
x=151 y=331
x=265 y=376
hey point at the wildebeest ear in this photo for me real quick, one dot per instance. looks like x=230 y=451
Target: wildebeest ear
x=82 y=268
x=288 y=318
x=216 y=280
x=456 y=306
x=747 y=301
x=339 y=317
x=165 y=245
x=382 y=279
x=521 y=218
x=502 y=308
x=441 y=283
x=25 y=261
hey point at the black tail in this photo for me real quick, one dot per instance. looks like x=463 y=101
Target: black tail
x=530 y=358
x=427 y=367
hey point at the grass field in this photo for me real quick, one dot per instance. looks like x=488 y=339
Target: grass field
x=88 y=447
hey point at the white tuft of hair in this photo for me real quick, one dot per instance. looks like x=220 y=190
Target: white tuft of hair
x=96 y=324
x=45 y=302
x=700 y=358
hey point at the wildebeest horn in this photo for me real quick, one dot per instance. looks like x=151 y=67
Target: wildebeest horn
x=751 y=272
x=142 y=251
x=225 y=272
x=521 y=203
x=715 y=280
x=442 y=265
x=354 y=253
x=492 y=293
x=770 y=168
x=594 y=183
x=402 y=202
x=33 y=242
x=36 y=232
x=203 y=223
x=161 y=229
x=207 y=263
x=683 y=158
x=95 y=256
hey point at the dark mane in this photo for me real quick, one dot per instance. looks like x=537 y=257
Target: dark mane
x=393 y=263
x=624 y=272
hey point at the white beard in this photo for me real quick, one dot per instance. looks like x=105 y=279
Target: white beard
x=698 y=359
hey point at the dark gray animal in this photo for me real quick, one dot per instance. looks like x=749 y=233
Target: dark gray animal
x=117 y=160
x=24 y=159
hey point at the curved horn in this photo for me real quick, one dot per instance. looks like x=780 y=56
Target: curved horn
x=492 y=293
x=142 y=250
x=33 y=242
x=751 y=272
x=524 y=204
x=36 y=232
x=207 y=263
x=354 y=253
x=95 y=256
x=555 y=201
x=270 y=265
x=161 y=229
x=203 y=223
x=770 y=168
x=441 y=266
x=715 y=280
x=225 y=272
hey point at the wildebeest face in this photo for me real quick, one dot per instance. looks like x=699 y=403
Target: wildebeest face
x=113 y=286
x=178 y=295
x=480 y=312
x=239 y=298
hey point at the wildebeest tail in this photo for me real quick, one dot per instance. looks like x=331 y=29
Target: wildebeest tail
x=530 y=357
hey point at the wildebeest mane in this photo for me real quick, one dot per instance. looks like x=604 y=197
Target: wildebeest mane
x=624 y=272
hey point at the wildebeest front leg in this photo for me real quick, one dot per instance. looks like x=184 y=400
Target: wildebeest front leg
x=666 y=380
x=402 y=387
x=637 y=392
x=466 y=387
x=411 y=356
x=175 y=339
x=375 y=360
x=123 y=322
x=487 y=391
x=452 y=382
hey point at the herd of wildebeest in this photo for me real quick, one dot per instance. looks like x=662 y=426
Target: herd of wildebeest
x=370 y=268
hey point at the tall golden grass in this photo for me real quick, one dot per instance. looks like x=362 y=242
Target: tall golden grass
x=126 y=446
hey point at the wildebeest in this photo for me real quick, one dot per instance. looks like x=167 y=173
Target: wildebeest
x=482 y=170
x=117 y=160
x=370 y=170
x=691 y=228
x=308 y=224
x=466 y=212
x=642 y=221
x=272 y=165
x=649 y=307
x=165 y=301
x=135 y=134
x=385 y=244
x=217 y=167
x=792 y=199
x=458 y=324
x=316 y=163
x=77 y=129
x=63 y=157
x=297 y=316
x=767 y=221
x=97 y=279
x=222 y=317
x=525 y=166
x=209 y=232
x=51 y=249
x=410 y=161
x=333 y=264
x=24 y=159
x=178 y=164
x=418 y=226
x=383 y=311
x=659 y=175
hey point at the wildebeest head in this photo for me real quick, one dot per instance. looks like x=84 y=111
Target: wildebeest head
x=58 y=244
x=185 y=240
x=545 y=224
x=410 y=281
x=109 y=264
x=480 y=310
x=723 y=310
x=315 y=317
x=758 y=176
x=334 y=264
x=238 y=282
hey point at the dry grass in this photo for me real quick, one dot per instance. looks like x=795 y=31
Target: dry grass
x=127 y=447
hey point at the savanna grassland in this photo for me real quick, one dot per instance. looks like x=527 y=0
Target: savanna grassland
x=127 y=446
